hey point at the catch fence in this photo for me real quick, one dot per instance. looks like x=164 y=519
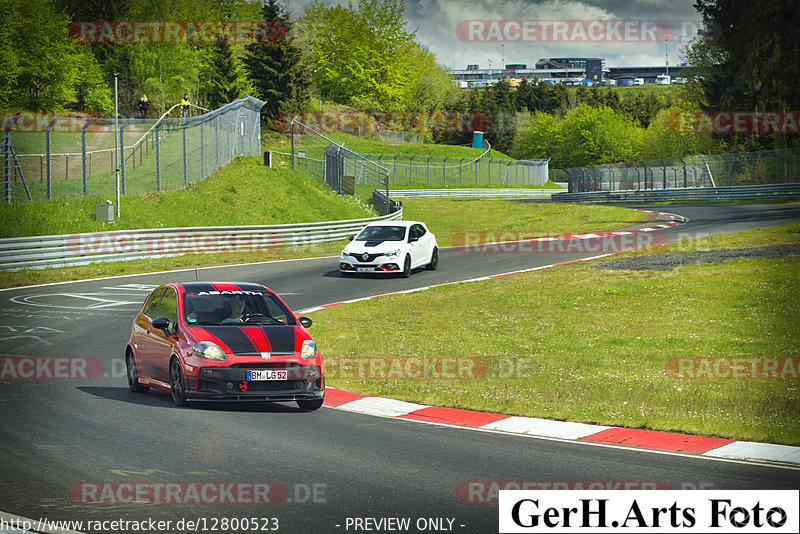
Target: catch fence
x=71 y=158
x=718 y=170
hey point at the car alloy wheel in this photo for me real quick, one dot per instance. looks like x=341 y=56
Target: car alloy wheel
x=434 y=260
x=176 y=383
x=406 y=267
x=133 y=375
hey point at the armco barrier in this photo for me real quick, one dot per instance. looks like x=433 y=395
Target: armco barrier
x=698 y=194
x=471 y=192
x=41 y=252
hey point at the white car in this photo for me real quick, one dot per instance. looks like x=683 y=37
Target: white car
x=390 y=247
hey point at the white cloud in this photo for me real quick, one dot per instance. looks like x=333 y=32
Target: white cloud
x=436 y=22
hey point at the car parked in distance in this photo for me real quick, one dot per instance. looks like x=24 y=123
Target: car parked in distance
x=222 y=341
x=390 y=247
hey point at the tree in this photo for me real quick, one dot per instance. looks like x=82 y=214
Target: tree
x=595 y=136
x=361 y=56
x=222 y=77
x=275 y=66
x=748 y=56
x=540 y=137
x=41 y=58
x=664 y=138
x=92 y=91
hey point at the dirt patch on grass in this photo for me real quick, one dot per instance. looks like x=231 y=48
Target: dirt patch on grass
x=669 y=260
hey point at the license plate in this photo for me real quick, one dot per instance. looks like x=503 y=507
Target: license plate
x=365 y=269
x=267 y=374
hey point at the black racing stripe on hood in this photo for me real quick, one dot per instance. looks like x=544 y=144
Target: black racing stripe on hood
x=281 y=338
x=234 y=338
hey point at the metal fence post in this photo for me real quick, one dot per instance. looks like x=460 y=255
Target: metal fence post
x=7 y=160
x=461 y=171
x=216 y=142
x=428 y=170
x=158 y=158
x=202 y=154
x=123 y=182
x=48 y=152
x=185 y=169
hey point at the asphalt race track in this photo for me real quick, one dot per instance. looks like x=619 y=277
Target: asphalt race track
x=62 y=438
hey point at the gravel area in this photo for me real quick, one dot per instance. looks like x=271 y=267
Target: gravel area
x=668 y=260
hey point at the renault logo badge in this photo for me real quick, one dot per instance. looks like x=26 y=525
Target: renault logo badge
x=365 y=256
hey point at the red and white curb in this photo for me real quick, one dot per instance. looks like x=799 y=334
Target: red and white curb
x=546 y=428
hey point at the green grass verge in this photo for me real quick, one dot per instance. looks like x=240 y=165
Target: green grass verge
x=314 y=146
x=244 y=192
x=500 y=220
x=590 y=345
x=446 y=220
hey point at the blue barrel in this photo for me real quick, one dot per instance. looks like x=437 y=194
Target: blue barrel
x=477 y=139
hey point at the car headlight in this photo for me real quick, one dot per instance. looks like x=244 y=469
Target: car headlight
x=209 y=351
x=309 y=349
x=393 y=253
x=343 y=255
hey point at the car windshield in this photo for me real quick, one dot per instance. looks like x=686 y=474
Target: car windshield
x=382 y=233
x=234 y=308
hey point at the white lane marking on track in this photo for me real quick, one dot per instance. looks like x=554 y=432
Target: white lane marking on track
x=89 y=301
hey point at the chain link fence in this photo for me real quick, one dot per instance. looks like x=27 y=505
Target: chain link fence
x=69 y=157
x=738 y=169
x=348 y=171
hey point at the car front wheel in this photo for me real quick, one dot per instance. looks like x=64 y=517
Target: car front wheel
x=133 y=375
x=406 y=268
x=176 y=383
x=434 y=263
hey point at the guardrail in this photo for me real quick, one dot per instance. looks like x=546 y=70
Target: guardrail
x=699 y=194
x=40 y=252
x=471 y=192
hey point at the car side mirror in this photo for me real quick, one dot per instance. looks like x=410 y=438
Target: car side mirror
x=350 y=238
x=411 y=239
x=162 y=323
x=305 y=321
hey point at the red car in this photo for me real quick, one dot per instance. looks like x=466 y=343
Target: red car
x=221 y=341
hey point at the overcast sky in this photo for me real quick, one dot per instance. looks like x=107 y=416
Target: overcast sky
x=437 y=24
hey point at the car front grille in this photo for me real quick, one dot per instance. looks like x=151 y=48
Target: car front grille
x=360 y=257
x=270 y=385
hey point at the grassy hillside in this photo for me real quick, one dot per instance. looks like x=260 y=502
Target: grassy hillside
x=314 y=146
x=244 y=192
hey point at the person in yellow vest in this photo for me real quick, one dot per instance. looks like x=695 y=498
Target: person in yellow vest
x=185 y=106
